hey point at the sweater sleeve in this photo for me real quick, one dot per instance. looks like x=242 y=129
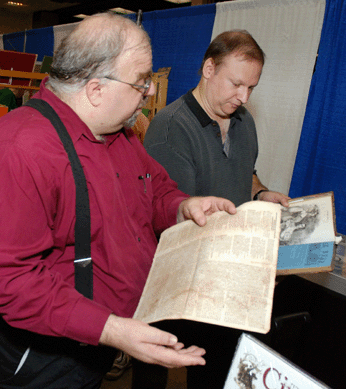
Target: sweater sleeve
x=167 y=143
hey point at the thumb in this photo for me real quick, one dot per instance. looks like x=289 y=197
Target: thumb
x=155 y=336
x=164 y=338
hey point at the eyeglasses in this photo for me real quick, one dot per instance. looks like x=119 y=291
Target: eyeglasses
x=142 y=88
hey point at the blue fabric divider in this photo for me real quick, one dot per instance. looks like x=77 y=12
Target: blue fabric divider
x=321 y=159
x=40 y=41
x=14 y=41
x=180 y=38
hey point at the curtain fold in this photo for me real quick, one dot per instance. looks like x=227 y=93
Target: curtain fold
x=289 y=34
x=321 y=159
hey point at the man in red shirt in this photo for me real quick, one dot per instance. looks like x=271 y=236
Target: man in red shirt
x=99 y=81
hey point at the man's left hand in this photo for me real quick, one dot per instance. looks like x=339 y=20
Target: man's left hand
x=274 y=197
x=197 y=208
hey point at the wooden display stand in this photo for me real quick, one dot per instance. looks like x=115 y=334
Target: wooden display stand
x=141 y=126
x=3 y=110
x=16 y=68
x=15 y=74
x=158 y=101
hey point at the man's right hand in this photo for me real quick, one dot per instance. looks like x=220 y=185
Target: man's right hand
x=149 y=344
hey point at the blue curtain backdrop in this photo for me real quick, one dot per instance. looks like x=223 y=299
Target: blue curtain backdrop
x=321 y=159
x=187 y=28
x=40 y=41
x=14 y=41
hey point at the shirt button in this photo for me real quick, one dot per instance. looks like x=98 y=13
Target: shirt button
x=139 y=239
x=218 y=135
x=118 y=175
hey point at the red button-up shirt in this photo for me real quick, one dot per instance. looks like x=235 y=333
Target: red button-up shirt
x=131 y=199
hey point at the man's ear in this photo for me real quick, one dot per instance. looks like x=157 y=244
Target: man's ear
x=208 y=68
x=94 y=91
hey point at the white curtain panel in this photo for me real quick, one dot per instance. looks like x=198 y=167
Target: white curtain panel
x=289 y=32
x=60 y=32
x=1 y=42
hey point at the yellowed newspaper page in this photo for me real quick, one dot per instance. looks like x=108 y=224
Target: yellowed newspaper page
x=223 y=273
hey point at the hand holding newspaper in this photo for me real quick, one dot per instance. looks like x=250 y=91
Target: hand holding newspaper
x=223 y=273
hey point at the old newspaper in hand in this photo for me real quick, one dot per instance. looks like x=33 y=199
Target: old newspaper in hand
x=223 y=273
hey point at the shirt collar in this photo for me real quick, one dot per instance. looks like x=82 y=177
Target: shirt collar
x=199 y=112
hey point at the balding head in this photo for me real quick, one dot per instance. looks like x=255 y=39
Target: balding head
x=92 y=50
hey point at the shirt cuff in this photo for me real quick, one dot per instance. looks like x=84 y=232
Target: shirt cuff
x=259 y=192
x=86 y=321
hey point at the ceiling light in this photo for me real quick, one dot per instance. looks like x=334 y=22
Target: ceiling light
x=119 y=10
x=80 y=16
x=179 y=1
x=15 y=4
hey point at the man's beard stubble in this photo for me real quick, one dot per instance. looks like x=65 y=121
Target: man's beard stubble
x=132 y=120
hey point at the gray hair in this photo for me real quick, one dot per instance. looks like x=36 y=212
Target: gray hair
x=90 y=51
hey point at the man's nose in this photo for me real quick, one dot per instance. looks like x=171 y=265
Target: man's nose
x=151 y=90
x=244 y=94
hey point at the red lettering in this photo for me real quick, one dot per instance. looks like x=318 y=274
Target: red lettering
x=265 y=376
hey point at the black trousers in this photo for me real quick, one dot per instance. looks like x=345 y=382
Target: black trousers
x=219 y=342
x=34 y=361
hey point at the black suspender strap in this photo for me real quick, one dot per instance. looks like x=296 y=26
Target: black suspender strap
x=83 y=261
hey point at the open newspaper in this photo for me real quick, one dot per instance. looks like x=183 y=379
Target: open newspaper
x=223 y=273
x=308 y=235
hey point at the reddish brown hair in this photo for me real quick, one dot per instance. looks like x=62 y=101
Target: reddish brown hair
x=238 y=42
